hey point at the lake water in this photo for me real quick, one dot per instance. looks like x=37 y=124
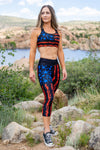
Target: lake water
x=70 y=55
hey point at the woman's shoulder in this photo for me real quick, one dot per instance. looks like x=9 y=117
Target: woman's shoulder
x=35 y=31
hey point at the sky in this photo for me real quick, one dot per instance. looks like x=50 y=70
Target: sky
x=66 y=10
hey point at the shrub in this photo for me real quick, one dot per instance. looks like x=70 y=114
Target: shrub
x=74 y=42
x=8 y=37
x=81 y=75
x=9 y=114
x=15 y=87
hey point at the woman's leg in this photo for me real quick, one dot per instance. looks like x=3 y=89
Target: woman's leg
x=45 y=79
x=47 y=106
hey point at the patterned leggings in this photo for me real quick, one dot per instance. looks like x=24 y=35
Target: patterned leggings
x=48 y=72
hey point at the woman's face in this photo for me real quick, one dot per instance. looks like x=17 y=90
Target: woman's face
x=46 y=15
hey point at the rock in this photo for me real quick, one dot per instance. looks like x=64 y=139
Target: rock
x=40 y=98
x=6 y=142
x=64 y=148
x=58 y=116
x=78 y=128
x=22 y=37
x=94 y=142
x=26 y=105
x=22 y=64
x=16 y=133
x=38 y=123
x=30 y=116
x=38 y=129
x=69 y=124
x=59 y=100
x=94 y=111
x=94 y=121
x=94 y=115
x=4 y=67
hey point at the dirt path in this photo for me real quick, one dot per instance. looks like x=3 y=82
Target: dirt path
x=23 y=146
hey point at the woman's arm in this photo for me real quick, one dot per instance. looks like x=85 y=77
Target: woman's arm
x=60 y=54
x=33 y=46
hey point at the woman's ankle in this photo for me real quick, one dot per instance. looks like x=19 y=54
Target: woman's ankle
x=46 y=130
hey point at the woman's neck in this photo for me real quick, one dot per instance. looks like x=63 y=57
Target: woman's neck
x=47 y=25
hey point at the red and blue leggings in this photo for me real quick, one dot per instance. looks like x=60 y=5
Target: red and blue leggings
x=48 y=72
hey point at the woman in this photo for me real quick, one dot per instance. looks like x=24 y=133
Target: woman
x=48 y=39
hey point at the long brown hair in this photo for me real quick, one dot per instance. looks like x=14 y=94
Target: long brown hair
x=54 y=23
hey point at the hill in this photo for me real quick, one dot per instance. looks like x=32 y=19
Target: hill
x=8 y=21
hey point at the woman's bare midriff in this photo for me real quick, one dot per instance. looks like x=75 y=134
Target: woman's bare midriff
x=48 y=52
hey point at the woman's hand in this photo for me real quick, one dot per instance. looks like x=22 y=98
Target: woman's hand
x=32 y=76
x=64 y=74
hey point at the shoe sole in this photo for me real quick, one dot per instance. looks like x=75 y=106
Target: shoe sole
x=48 y=145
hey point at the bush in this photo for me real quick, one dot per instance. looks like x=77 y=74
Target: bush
x=74 y=42
x=15 y=87
x=9 y=114
x=81 y=75
x=8 y=37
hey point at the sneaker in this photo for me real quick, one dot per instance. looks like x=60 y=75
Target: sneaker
x=53 y=132
x=47 y=139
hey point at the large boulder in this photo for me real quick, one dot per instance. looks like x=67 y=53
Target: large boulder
x=94 y=142
x=22 y=64
x=26 y=105
x=15 y=133
x=59 y=100
x=58 y=116
x=78 y=128
x=40 y=98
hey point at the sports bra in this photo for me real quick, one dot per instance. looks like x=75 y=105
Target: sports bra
x=48 y=39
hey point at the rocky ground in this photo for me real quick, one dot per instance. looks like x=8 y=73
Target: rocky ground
x=78 y=126
x=25 y=145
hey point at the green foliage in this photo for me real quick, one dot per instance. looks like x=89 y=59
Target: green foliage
x=15 y=87
x=83 y=140
x=88 y=100
x=12 y=45
x=63 y=130
x=8 y=37
x=97 y=104
x=9 y=114
x=74 y=42
x=67 y=37
x=35 y=118
x=63 y=44
x=98 y=34
x=2 y=52
x=81 y=75
x=31 y=140
x=79 y=35
x=87 y=35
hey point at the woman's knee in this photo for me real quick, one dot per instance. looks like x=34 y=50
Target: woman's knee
x=47 y=105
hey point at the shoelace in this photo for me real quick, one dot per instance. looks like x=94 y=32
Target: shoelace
x=48 y=136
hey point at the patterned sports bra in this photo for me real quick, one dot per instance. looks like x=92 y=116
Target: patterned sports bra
x=47 y=39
